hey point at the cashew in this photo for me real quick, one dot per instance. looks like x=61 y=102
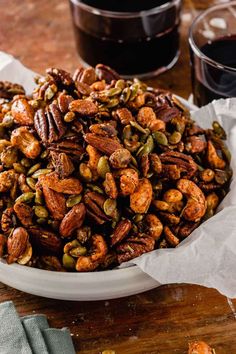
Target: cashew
x=91 y=262
x=128 y=181
x=170 y=237
x=172 y=196
x=196 y=201
x=214 y=160
x=154 y=226
x=141 y=199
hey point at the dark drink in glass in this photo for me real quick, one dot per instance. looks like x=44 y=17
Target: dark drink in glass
x=135 y=37
x=213 y=54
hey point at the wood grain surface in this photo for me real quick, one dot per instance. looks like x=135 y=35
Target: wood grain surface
x=164 y=320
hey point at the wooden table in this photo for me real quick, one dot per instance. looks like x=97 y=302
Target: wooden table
x=164 y=320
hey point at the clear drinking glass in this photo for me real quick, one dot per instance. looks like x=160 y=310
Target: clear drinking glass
x=212 y=40
x=134 y=43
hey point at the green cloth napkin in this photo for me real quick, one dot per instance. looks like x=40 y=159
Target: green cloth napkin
x=31 y=334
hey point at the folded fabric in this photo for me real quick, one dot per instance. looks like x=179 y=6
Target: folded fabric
x=31 y=334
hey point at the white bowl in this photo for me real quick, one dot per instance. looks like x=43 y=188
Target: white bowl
x=102 y=285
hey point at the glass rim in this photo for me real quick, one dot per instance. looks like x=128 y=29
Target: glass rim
x=196 y=48
x=119 y=14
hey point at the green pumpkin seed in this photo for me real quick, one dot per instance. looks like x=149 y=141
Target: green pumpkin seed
x=113 y=91
x=34 y=168
x=134 y=91
x=120 y=84
x=8 y=121
x=38 y=197
x=41 y=221
x=109 y=206
x=209 y=213
x=19 y=168
x=226 y=153
x=134 y=161
x=175 y=138
x=113 y=103
x=73 y=200
x=139 y=128
x=138 y=217
x=78 y=251
x=69 y=117
x=160 y=138
x=50 y=92
x=25 y=162
x=40 y=172
x=219 y=130
x=41 y=211
x=44 y=154
x=200 y=168
x=25 y=197
x=124 y=98
x=31 y=182
x=95 y=188
x=68 y=262
x=69 y=245
x=103 y=166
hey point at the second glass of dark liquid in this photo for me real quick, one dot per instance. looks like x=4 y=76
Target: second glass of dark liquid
x=135 y=37
x=212 y=41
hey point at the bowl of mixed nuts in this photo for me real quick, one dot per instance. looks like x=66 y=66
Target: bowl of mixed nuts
x=96 y=171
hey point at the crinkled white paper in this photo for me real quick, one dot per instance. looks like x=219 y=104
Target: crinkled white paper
x=208 y=256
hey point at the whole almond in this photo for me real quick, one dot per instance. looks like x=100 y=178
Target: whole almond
x=83 y=107
x=55 y=202
x=16 y=244
x=121 y=231
x=73 y=220
x=103 y=144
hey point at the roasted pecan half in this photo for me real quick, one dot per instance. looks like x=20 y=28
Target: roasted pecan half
x=104 y=72
x=7 y=220
x=87 y=76
x=70 y=148
x=64 y=101
x=60 y=76
x=73 y=220
x=45 y=241
x=62 y=164
x=8 y=90
x=94 y=203
x=183 y=162
x=49 y=123
x=134 y=246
